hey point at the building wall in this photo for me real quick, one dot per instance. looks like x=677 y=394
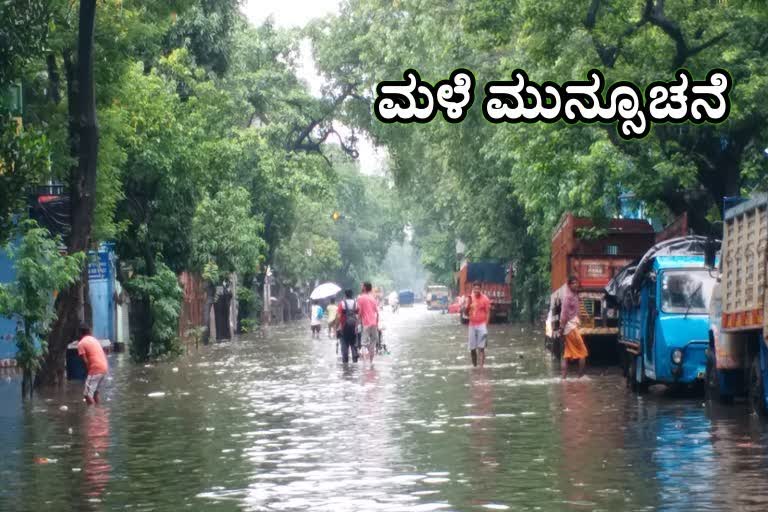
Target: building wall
x=7 y=325
x=192 y=304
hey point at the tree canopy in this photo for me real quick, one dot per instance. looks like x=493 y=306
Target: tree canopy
x=500 y=189
x=213 y=156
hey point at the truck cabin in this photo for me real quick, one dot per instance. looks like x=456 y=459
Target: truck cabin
x=594 y=254
x=437 y=297
x=664 y=322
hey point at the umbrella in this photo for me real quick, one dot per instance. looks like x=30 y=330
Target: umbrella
x=325 y=290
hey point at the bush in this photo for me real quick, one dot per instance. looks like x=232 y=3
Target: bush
x=159 y=296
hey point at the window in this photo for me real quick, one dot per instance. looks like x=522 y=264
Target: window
x=612 y=249
x=686 y=291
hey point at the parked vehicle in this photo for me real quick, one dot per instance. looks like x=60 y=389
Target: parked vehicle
x=406 y=298
x=438 y=297
x=594 y=257
x=663 y=319
x=737 y=355
x=495 y=282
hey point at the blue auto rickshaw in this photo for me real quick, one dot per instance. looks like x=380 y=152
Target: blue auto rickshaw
x=663 y=319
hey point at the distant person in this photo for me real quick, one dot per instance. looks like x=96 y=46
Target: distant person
x=348 y=320
x=89 y=348
x=331 y=313
x=394 y=301
x=479 y=312
x=369 y=316
x=315 y=319
x=575 y=349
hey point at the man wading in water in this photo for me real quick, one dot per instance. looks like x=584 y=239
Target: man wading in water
x=347 y=315
x=95 y=360
x=479 y=310
x=369 y=315
x=569 y=321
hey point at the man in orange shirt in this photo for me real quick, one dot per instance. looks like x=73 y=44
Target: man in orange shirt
x=369 y=316
x=90 y=350
x=479 y=310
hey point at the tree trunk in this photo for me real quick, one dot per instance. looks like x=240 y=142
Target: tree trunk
x=142 y=322
x=84 y=140
x=26 y=384
x=54 y=86
x=209 y=301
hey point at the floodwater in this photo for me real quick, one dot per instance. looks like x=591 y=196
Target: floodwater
x=275 y=422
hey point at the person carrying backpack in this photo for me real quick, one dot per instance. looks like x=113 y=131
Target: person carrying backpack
x=348 y=316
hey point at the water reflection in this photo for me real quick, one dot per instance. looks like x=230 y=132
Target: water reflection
x=277 y=423
x=95 y=446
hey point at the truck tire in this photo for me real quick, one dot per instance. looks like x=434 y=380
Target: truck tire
x=756 y=387
x=712 y=383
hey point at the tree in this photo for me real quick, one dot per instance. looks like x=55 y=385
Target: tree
x=41 y=272
x=159 y=296
x=24 y=29
x=23 y=164
x=501 y=188
x=311 y=252
x=225 y=240
x=84 y=137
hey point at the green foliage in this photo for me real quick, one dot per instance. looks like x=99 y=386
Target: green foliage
x=226 y=234
x=24 y=29
x=213 y=155
x=249 y=306
x=371 y=221
x=23 y=164
x=41 y=271
x=163 y=295
x=501 y=188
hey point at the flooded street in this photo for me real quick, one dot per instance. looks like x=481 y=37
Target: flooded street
x=276 y=423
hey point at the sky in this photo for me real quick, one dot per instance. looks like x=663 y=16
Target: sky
x=297 y=13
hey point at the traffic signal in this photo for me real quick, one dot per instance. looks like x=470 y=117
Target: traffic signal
x=335 y=216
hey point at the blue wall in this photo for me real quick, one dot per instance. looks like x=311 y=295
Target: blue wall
x=101 y=291
x=7 y=325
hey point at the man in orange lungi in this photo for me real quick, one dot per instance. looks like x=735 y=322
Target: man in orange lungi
x=569 y=323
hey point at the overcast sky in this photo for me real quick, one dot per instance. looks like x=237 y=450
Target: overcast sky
x=297 y=13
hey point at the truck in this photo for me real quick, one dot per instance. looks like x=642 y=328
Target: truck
x=737 y=356
x=594 y=255
x=663 y=314
x=437 y=297
x=495 y=281
x=406 y=298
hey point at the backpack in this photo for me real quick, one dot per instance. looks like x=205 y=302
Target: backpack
x=350 y=313
x=319 y=313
